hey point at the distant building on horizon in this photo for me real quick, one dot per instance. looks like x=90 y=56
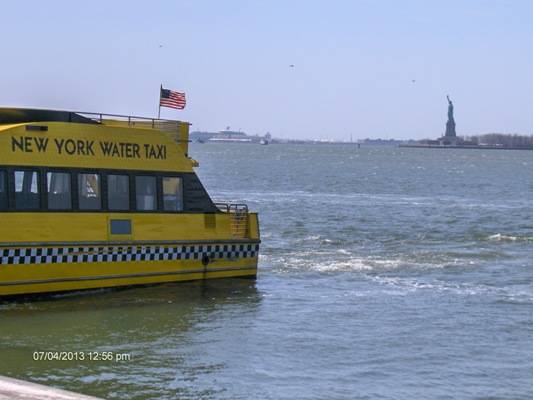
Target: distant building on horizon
x=380 y=142
x=229 y=136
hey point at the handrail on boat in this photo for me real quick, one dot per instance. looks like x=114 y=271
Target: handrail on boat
x=131 y=120
x=229 y=207
x=169 y=127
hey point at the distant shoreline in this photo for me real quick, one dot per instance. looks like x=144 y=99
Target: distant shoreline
x=432 y=146
x=392 y=143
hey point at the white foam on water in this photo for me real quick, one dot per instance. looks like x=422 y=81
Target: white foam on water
x=342 y=260
x=319 y=261
x=342 y=251
x=499 y=237
x=509 y=238
x=313 y=238
x=354 y=264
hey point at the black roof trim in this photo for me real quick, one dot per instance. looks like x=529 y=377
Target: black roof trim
x=27 y=115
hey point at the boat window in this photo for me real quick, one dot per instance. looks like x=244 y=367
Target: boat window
x=89 y=193
x=118 y=189
x=3 y=190
x=59 y=191
x=27 y=190
x=146 y=193
x=172 y=194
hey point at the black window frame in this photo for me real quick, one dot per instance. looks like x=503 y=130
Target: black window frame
x=4 y=190
x=195 y=199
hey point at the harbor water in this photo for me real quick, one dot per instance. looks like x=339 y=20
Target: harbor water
x=385 y=273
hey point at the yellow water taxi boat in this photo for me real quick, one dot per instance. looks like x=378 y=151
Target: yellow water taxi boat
x=93 y=200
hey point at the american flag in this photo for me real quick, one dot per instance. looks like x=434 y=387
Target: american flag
x=172 y=99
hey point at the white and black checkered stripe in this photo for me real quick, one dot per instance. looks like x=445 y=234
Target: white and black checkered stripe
x=51 y=255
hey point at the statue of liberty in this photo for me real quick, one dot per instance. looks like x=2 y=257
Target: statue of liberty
x=450 y=125
x=450 y=109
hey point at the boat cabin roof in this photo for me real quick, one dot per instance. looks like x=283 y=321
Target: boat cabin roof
x=27 y=115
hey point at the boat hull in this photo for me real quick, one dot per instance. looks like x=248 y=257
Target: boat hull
x=66 y=267
x=88 y=256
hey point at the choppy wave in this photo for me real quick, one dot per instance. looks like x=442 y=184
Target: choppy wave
x=509 y=238
x=407 y=285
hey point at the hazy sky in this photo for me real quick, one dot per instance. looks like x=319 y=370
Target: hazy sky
x=360 y=68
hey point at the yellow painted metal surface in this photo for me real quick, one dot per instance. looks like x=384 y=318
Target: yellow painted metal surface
x=89 y=145
x=94 y=227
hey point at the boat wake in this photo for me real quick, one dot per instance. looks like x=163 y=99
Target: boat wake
x=343 y=260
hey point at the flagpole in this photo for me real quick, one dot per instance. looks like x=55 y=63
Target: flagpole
x=159 y=112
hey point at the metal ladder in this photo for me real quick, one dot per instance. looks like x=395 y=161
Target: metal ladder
x=238 y=218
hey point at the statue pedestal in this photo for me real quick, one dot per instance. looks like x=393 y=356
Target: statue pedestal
x=449 y=141
x=450 y=129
